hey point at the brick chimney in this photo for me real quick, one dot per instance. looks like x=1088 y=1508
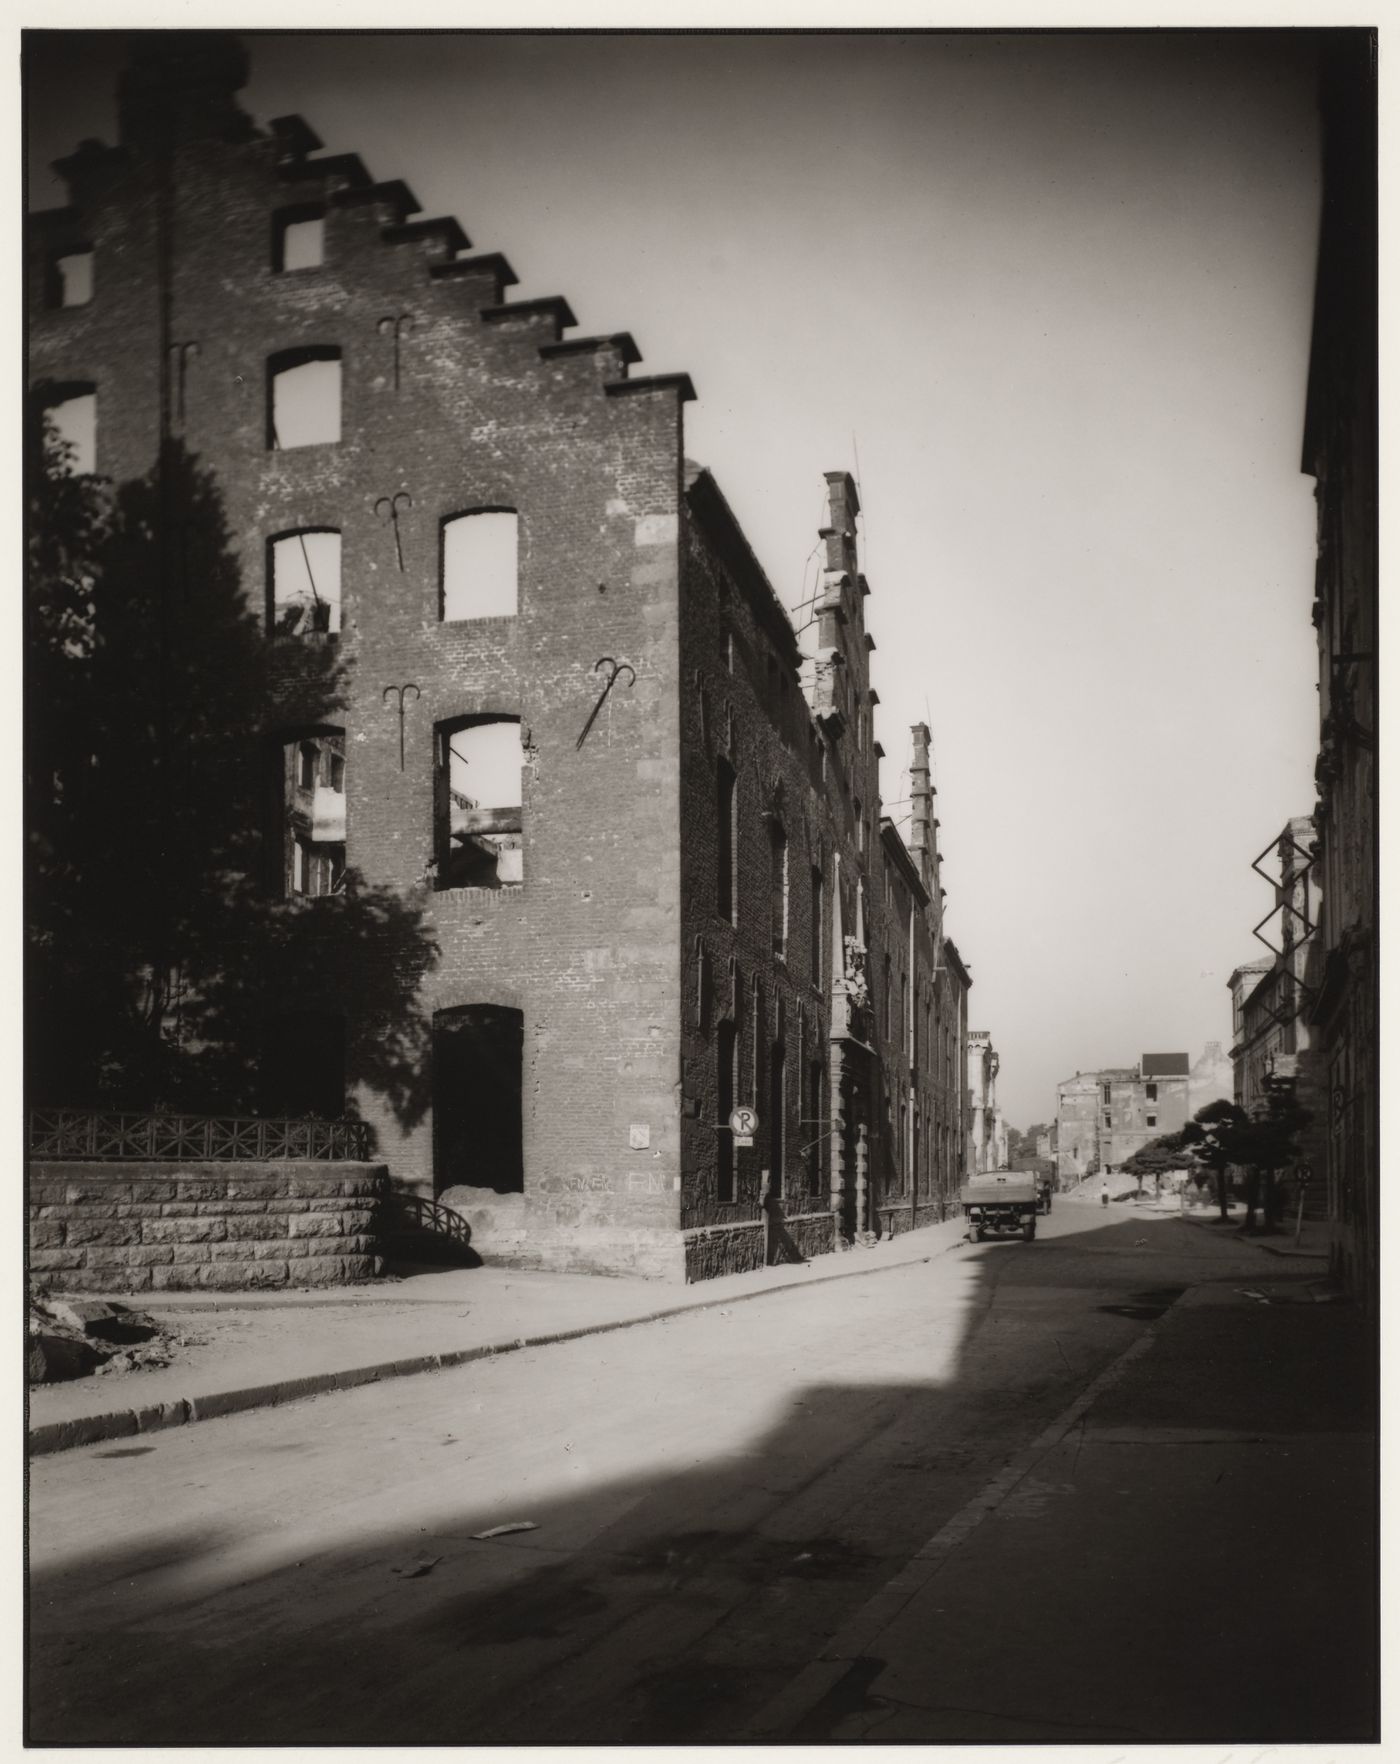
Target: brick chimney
x=921 y=795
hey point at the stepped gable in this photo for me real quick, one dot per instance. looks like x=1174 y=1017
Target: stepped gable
x=182 y=88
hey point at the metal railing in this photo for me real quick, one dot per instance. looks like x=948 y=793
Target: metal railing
x=100 y=1136
x=419 y=1214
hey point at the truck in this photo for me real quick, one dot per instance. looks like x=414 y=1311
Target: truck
x=1001 y=1201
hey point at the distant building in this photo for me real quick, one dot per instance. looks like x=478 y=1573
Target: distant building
x=986 y=1139
x=1103 y=1117
x=1212 y=1078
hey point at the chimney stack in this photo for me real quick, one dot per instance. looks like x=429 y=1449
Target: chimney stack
x=921 y=794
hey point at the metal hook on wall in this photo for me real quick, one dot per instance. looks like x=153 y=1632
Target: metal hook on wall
x=605 y=661
x=387 y=508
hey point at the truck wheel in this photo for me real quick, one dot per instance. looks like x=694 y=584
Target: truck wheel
x=1028 y=1229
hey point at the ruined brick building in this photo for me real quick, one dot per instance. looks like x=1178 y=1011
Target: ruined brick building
x=574 y=726
x=1102 y=1118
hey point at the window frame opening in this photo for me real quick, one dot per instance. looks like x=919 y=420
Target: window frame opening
x=62 y=395
x=477 y=860
x=493 y=571
x=727 y=842
x=778 y=888
x=309 y=845
x=60 y=286
x=283 y=362
x=283 y=221
x=322 y=615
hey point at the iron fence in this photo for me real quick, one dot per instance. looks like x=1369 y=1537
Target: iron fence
x=106 y=1137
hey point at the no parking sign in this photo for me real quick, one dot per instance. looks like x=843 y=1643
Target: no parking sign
x=743 y=1124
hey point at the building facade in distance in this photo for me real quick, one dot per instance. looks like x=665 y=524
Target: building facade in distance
x=1103 y=1117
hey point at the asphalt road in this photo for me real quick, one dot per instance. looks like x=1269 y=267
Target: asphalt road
x=827 y=1514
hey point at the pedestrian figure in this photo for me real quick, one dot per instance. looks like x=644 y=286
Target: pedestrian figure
x=1103 y=1192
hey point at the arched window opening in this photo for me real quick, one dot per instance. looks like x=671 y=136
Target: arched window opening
x=778 y=887
x=480 y=564
x=305 y=582
x=478 y=832
x=303 y=397
x=72 y=410
x=726 y=844
x=313 y=813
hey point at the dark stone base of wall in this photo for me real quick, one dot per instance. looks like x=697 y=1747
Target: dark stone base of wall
x=714 y=1250
x=160 y=1227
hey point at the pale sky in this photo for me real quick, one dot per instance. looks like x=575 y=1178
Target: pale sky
x=1051 y=295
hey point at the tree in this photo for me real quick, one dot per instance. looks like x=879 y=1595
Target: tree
x=1157 y=1158
x=1208 y=1138
x=159 y=946
x=1266 y=1144
x=1222 y=1135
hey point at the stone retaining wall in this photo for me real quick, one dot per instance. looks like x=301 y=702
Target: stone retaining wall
x=143 y=1227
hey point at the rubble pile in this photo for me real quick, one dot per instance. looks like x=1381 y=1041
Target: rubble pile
x=79 y=1338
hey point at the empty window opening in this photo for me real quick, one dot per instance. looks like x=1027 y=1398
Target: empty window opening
x=818 y=915
x=478 y=1139
x=70 y=279
x=1151 y=1120
x=481 y=565
x=305 y=574
x=313 y=814
x=726 y=1072
x=778 y=888
x=303 y=397
x=298 y=239
x=302 y=1066
x=1108 y=1093
x=1152 y=1093
x=72 y=410
x=479 y=819
x=726 y=843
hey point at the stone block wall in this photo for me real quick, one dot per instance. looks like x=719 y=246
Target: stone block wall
x=158 y=1227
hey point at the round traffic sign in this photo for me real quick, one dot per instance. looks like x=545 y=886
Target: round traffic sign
x=743 y=1122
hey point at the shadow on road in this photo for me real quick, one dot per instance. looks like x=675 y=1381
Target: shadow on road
x=657 y=1605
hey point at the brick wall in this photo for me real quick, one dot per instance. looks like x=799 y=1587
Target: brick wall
x=483 y=411
x=162 y=1226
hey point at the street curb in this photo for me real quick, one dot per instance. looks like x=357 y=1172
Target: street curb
x=61 y=1436
x=1269 y=1249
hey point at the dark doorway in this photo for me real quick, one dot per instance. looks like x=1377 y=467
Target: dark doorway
x=303 y=1066
x=477 y=1057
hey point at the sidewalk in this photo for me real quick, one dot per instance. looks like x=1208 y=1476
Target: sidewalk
x=251 y=1350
